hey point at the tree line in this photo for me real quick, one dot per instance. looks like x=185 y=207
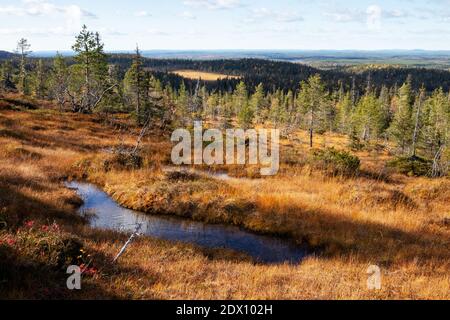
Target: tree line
x=414 y=119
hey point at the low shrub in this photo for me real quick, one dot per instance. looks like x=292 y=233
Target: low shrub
x=411 y=166
x=335 y=162
x=48 y=245
x=123 y=161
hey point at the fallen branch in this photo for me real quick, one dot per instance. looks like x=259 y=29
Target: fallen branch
x=130 y=240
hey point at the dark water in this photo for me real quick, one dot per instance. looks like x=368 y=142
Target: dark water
x=109 y=215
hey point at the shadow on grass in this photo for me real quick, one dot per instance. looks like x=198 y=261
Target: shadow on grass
x=20 y=207
x=372 y=242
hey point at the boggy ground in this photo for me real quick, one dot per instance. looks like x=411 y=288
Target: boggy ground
x=399 y=223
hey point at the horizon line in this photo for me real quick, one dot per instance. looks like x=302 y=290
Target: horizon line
x=244 y=50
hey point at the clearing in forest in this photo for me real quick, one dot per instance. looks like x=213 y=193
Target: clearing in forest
x=206 y=76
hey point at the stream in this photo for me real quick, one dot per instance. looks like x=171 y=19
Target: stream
x=109 y=215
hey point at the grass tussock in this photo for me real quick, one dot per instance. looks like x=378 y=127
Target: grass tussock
x=400 y=223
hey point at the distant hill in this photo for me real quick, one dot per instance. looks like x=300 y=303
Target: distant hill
x=6 y=55
x=286 y=75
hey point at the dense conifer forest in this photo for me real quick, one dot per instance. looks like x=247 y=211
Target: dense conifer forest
x=410 y=107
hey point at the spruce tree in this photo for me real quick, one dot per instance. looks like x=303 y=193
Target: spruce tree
x=6 y=76
x=240 y=97
x=402 y=125
x=59 y=80
x=344 y=114
x=135 y=86
x=257 y=103
x=368 y=118
x=40 y=81
x=182 y=105
x=312 y=99
x=436 y=125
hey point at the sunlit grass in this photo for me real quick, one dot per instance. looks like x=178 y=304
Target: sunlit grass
x=205 y=76
x=400 y=223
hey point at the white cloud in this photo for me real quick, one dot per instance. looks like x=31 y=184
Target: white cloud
x=72 y=14
x=43 y=8
x=374 y=13
x=187 y=15
x=57 y=31
x=396 y=13
x=341 y=16
x=278 y=16
x=142 y=13
x=156 y=32
x=213 y=4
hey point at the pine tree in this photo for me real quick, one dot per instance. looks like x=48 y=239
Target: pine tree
x=23 y=49
x=90 y=74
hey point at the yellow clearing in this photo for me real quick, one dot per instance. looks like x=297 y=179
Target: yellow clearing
x=206 y=76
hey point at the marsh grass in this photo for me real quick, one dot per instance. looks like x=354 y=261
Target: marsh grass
x=398 y=223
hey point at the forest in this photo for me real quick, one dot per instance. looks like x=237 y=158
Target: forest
x=85 y=148
x=408 y=107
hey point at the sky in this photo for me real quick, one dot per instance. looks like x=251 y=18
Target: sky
x=229 y=24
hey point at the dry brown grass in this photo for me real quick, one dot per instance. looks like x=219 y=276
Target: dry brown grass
x=205 y=76
x=400 y=224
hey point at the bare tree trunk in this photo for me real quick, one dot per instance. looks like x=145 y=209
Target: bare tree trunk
x=436 y=170
x=416 y=130
x=311 y=129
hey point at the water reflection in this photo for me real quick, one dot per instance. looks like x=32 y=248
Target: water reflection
x=109 y=215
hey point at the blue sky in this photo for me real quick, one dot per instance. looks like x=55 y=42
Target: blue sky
x=230 y=24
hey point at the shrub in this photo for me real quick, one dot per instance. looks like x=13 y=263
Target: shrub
x=355 y=142
x=181 y=176
x=335 y=162
x=48 y=245
x=411 y=166
x=123 y=161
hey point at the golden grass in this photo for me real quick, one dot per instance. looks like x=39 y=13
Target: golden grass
x=205 y=76
x=400 y=224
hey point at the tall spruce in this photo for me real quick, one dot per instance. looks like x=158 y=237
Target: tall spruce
x=135 y=86
x=59 y=80
x=312 y=99
x=40 y=80
x=6 y=76
x=402 y=125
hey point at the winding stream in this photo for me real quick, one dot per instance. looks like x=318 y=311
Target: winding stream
x=109 y=215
